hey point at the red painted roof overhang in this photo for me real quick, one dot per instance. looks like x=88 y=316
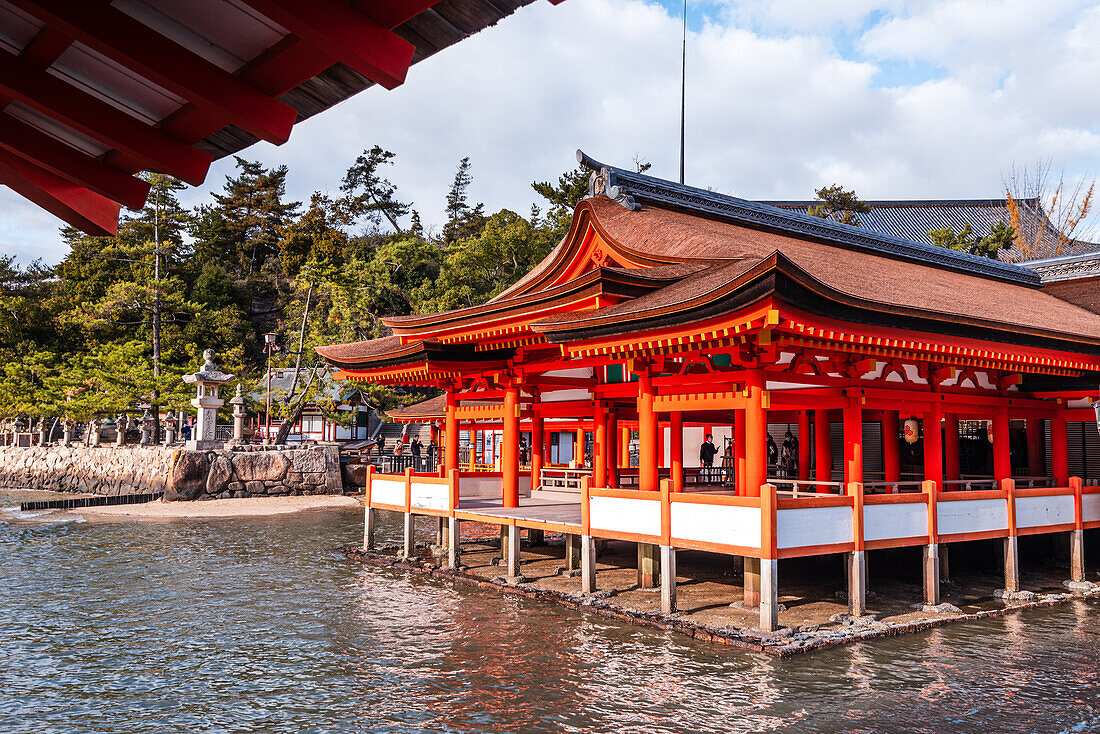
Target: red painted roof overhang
x=93 y=92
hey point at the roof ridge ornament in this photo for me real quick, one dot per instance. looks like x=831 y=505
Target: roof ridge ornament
x=601 y=182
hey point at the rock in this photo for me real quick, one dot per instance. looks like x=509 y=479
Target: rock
x=1081 y=587
x=1015 y=595
x=235 y=486
x=187 y=477
x=255 y=487
x=261 y=466
x=355 y=475
x=944 y=608
x=221 y=471
x=851 y=621
x=310 y=461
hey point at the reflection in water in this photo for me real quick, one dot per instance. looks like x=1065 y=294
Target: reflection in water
x=254 y=625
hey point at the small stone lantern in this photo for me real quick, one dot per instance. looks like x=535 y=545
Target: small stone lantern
x=239 y=415
x=148 y=425
x=66 y=433
x=16 y=429
x=208 y=382
x=120 y=430
x=169 y=429
x=93 y=432
x=43 y=432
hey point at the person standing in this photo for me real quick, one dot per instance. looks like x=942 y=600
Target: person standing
x=707 y=451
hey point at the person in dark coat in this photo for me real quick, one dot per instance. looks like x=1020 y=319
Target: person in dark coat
x=415 y=447
x=773 y=451
x=707 y=451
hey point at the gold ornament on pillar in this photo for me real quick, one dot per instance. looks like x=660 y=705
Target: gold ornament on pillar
x=989 y=431
x=912 y=431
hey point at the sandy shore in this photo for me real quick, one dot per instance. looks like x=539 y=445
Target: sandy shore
x=250 y=507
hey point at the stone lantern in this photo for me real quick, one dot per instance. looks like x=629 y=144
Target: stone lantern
x=66 y=433
x=148 y=425
x=93 y=432
x=208 y=382
x=239 y=415
x=43 y=433
x=120 y=429
x=16 y=429
x=169 y=429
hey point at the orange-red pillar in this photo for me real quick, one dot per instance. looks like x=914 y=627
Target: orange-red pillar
x=578 y=453
x=1002 y=456
x=647 y=436
x=804 y=445
x=823 y=447
x=1059 y=451
x=853 y=443
x=933 y=447
x=612 y=431
x=739 y=452
x=599 y=446
x=509 y=455
x=891 y=452
x=756 y=429
x=624 y=447
x=951 y=446
x=450 y=434
x=538 y=448
x=676 y=450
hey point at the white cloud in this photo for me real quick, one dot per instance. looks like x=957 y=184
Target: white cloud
x=781 y=99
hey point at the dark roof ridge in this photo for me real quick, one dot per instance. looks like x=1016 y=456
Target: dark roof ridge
x=628 y=188
x=885 y=203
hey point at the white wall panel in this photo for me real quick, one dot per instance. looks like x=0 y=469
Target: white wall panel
x=885 y=522
x=625 y=515
x=814 y=526
x=971 y=516
x=716 y=524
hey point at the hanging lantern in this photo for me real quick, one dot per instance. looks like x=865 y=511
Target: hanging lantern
x=912 y=431
x=989 y=431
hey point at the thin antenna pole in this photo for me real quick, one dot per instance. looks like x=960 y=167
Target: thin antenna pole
x=683 y=89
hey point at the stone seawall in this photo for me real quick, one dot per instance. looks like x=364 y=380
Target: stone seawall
x=179 y=474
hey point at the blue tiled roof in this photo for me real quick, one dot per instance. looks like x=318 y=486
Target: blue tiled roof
x=631 y=188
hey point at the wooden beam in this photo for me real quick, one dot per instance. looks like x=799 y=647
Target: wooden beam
x=99 y=120
x=143 y=50
x=62 y=160
x=348 y=34
x=76 y=205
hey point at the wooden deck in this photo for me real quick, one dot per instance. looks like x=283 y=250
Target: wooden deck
x=549 y=510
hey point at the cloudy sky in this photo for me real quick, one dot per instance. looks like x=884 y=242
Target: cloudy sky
x=898 y=100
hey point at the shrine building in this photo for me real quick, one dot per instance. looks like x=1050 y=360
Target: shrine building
x=914 y=395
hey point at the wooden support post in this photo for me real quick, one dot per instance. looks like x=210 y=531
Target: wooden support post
x=933 y=446
x=441 y=532
x=756 y=430
x=668 y=579
x=509 y=460
x=951 y=446
x=853 y=442
x=369 y=525
x=1012 y=552
x=369 y=518
x=588 y=564
x=1077 y=535
x=932 y=549
x=676 y=450
x=857 y=559
x=1059 y=451
x=613 y=437
x=649 y=565
x=572 y=552
x=823 y=448
x=624 y=447
x=599 y=446
x=804 y=447
x=578 y=448
x=751 y=576
x=535 y=536
x=513 y=552
x=891 y=454
x=647 y=436
x=537 y=451
x=409 y=540
x=1002 y=460
x=454 y=547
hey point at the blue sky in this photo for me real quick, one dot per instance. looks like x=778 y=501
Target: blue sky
x=936 y=99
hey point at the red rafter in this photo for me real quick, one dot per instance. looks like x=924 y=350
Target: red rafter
x=83 y=209
x=101 y=121
x=348 y=34
x=165 y=62
x=69 y=163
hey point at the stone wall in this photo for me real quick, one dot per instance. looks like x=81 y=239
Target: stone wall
x=179 y=474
